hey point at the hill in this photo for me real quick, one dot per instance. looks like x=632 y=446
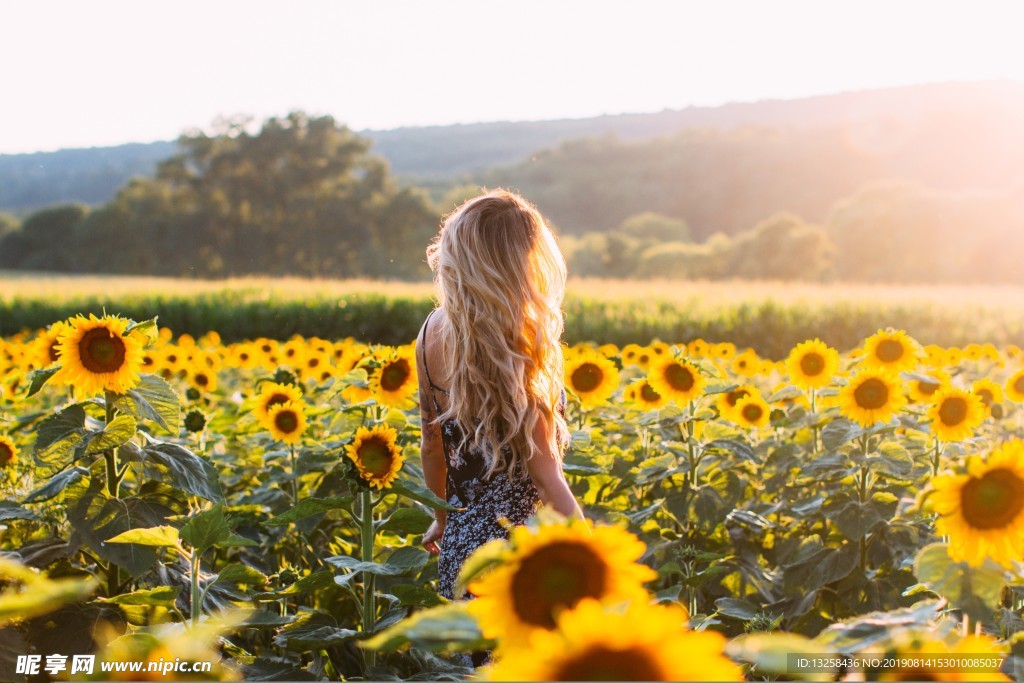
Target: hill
x=874 y=121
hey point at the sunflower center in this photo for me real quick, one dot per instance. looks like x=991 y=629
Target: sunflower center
x=556 y=576
x=201 y=379
x=679 y=377
x=986 y=396
x=277 y=398
x=649 y=394
x=101 y=351
x=992 y=501
x=394 y=375
x=953 y=411
x=602 y=663
x=928 y=388
x=375 y=456
x=734 y=396
x=286 y=421
x=871 y=394
x=587 y=377
x=889 y=350
x=752 y=412
x=812 y=364
x=313 y=362
x=1018 y=384
x=52 y=351
x=6 y=454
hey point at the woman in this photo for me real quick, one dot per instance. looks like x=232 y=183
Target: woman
x=490 y=373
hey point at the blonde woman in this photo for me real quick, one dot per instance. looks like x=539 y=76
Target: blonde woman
x=490 y=374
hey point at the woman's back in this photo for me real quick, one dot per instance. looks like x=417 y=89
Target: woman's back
x=490 y=377
x=485 y=501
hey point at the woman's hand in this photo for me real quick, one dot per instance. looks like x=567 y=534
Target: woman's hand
x=433 y=535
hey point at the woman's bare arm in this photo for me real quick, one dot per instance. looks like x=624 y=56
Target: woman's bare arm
x=432 y=458
x=545 y=470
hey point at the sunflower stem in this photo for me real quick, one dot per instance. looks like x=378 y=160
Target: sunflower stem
x=113 y=489
x=295 y=475
x=367 y=534
x=936 y=454
x=196 y=598
x=863 y=495
x=814 y=420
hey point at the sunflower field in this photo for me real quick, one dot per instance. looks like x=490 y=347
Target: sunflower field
x=854 y=513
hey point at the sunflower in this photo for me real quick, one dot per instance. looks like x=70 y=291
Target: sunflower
x=8 y=451
x=812 y=364
x=1015 y=386
x=988 y=391
x=395 y=382
x=727 y=400
x=287 y=421
x=746 y=364
x=982 y=511
x=723 y=351
x=923 y=386
x=641 y=393
x=643 y=642
x=892 y=350
x=677 y=379
x=274 y=394
x=591 y=377
x=316 y=366
x=202 y=379
x=955 y=414
x=551 y=568
x=46 y=344
x=752 y=412
x=872 y=395
x=376 y=455
x=96 y=355
x=629 y=355
x=698 y=348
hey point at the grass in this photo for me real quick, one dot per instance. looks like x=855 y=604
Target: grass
x=767 y=316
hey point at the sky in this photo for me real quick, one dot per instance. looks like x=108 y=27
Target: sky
x=106 y=72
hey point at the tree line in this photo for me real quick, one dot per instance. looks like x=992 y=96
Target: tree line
x=302 y=195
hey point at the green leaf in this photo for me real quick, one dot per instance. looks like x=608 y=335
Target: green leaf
x=420 y=494
x=38 y=594
x=162 y=596
x=407 y=521
x=736 y=608
x=316 y=581
x=147 y=328
x=855 y=519
x=313 y=631
x=10 y=509
x=448 y=627
x=37 y=378
x=975 y=590
x=839 y=432
x=307 y=507
x=96 y=518
x=401 y=561
x=152 y=399
x=180 y=468
x=416 y=596
x=56 y=485
x=56 y=438
x=772 y=654
x=206 y=529
x=117 y=432
x=241 y=574
x=157 y=537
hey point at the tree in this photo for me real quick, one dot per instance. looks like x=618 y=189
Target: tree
x=44 y=241
x=656 y=226
x=300 y=196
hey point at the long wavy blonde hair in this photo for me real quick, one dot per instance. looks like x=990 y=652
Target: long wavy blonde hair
x=500 y=279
